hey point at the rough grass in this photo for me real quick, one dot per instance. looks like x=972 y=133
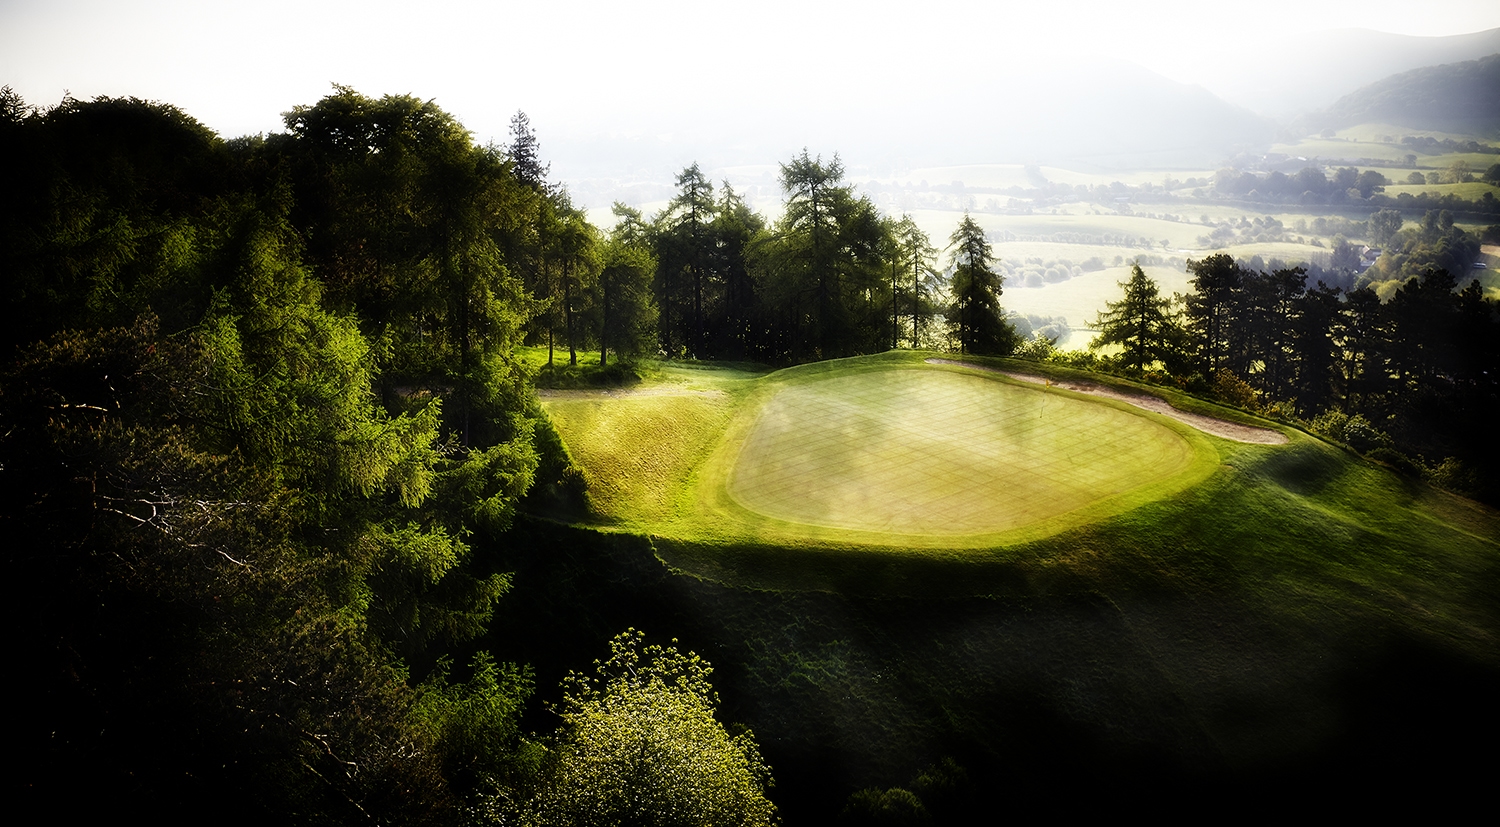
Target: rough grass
x=1299 y=622
x=637 y=449
x=639 y=445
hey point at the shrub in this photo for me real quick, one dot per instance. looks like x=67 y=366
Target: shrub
x=1235 y=391
x=640 y=746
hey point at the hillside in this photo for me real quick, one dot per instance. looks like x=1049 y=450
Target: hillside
x=1309 y=71
x=1301 y=622
x=1453 y=97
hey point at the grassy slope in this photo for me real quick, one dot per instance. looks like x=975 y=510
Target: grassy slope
x=1302 y=616
x=611 y=447
x=941 y=451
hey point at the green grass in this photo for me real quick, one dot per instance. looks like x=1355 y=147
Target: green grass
x=637 y=445
x=1337 y=150
x=1471 y=191
x=1285 y=606
x=637 y=449
x=882 y=452
x=938 y=452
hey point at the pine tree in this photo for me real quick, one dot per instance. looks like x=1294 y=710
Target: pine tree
x=1140 y=322
x=525 y=153
x=918 y=252
x=975 y=314
x=1213 y=310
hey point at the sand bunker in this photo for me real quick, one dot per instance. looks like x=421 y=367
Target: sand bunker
x=1207 y=424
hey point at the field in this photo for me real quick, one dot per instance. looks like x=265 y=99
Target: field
x=1274 y=623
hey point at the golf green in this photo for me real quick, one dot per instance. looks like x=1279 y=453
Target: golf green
x=940 y=452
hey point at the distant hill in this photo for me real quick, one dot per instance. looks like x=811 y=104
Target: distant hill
x=1455 y=97
x=1308 y=72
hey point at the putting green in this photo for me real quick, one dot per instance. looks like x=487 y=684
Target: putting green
x=941 y=452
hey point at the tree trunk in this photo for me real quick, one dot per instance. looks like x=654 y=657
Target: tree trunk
x=568 y=312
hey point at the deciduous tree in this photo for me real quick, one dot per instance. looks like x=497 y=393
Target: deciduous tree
x=640 y=745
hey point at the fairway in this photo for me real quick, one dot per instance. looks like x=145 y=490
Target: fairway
x=936 y=452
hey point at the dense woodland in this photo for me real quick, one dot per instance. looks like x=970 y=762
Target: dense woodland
x=263 y=436
x=1409 y=380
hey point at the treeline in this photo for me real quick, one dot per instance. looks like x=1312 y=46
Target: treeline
x=1308 y=186
x=833 y=277
x=1410 y=380
x=261 y=440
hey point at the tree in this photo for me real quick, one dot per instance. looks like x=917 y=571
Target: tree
x=1140 y=322
x=920 y=277
x=1315 y=348
x=640 y=746
x=525 y=153
x=414 y=228
x=228 y=544
x=576 y=252
x=1384 y=225
x=1213 y=310
x=812 y=196
x=626 y=313
x=685 y=249
x=735 y=225
x=978 y=322
x=823 y=273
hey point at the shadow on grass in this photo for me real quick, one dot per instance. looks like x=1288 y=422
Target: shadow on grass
x=1053 y=698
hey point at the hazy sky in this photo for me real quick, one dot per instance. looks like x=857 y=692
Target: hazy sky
x=611 y=67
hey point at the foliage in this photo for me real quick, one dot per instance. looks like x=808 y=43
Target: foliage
x=1142 y=323
x=473 y=725
x=212 y=470
x=894 y=806
x=640 y=745
x=1233 y=390
x=918 y=295
x=978 y=323
x=823 y=275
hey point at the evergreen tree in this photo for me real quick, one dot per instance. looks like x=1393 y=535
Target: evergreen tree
x=1315 y=351
x=735 y=225
x=978 y=322
x=823 y=274
x=1140 y=323
x=683 y=251
x=1213 y=311
x=525 y=153
x=576 y=252
x=626 y=314
x=919 y=280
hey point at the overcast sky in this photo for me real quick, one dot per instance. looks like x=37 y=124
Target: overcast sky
x=608 y=67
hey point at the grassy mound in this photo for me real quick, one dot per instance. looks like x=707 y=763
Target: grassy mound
x=932 y=452
x=888 y=454
x=1274 y=621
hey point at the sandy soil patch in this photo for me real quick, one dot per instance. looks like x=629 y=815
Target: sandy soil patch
x=1207 y=424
